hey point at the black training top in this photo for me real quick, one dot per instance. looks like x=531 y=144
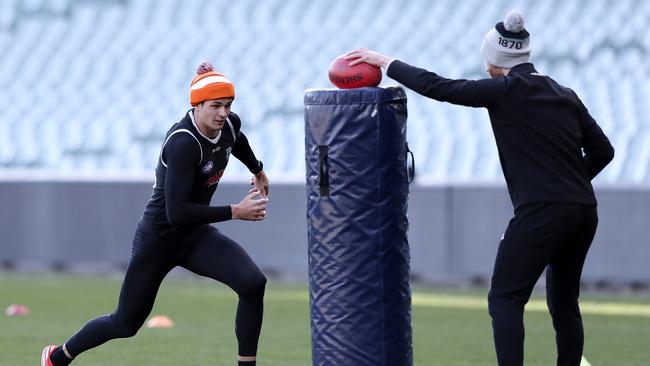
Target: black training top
x=541 y=129
x=189 y=169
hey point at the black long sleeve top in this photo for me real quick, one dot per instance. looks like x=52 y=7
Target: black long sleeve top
x=549 y=145
x=188 y=172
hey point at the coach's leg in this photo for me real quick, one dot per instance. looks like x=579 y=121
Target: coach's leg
x=524 y=251
x=144 y=274
x=563 y=289
x=218 y=257
x=515 y=275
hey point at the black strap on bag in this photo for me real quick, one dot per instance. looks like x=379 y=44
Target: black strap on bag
x=410 y=168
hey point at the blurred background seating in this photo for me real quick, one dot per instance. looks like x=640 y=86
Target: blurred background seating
x=92 y=86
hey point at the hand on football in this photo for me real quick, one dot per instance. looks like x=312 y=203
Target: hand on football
x=371 y=57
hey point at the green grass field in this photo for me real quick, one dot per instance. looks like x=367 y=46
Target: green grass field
x=450 y=327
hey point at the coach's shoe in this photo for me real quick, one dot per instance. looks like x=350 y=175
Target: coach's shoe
x=45 y=356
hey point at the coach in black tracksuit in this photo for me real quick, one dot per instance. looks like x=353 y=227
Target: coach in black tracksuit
x=174 y=229
x=550 y=148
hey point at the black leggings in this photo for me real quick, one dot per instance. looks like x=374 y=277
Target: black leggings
x=207 y=253
x=552 y=236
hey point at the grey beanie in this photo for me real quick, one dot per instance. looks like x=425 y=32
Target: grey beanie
x=508 y=43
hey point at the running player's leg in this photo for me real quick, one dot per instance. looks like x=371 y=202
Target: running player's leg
x=526 y=248
x=145 y=272
x=218 y=257
x=563 y=289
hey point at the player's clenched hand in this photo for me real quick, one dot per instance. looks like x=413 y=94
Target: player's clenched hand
x=250 y=208
x=365 y=55
x=261 y=183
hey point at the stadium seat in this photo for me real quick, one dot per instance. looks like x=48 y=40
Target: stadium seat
x=108 y=78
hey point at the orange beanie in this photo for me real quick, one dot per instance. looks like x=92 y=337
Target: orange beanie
x=208 y=84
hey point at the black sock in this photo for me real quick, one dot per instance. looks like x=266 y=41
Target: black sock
x=59 y=358
x=246 y=363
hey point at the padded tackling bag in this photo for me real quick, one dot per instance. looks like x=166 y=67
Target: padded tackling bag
x=357 y=190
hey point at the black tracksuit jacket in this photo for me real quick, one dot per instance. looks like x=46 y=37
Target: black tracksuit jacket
x=549 y=146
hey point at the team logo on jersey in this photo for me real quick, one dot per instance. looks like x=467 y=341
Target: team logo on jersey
x=207 y=168
x=214 y=179
x=216 y=149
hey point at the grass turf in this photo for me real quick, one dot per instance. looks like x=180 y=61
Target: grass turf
x=204 y=311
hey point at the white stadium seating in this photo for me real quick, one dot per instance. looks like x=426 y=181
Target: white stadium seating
x=92 y=86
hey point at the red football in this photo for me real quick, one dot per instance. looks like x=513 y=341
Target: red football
x=345 y=76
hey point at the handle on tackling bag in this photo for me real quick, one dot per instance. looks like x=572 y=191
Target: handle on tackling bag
x=323 y=171
x=410 y=168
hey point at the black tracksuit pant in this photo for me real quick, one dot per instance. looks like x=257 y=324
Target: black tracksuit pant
x=205 y=252
x=552 y=236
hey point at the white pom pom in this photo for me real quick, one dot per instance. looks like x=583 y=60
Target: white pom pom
x=514 y=21
x=204 y=67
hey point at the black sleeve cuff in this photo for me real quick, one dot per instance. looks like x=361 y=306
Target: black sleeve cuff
x=228 y=212
x=221 y=213
x=257 y=169
x=393 y=68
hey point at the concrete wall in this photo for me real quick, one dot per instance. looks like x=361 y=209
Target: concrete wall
x=454 y=230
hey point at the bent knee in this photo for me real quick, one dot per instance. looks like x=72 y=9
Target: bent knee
x=566 y=310
x=125 y=329
x=129 y=331
x=258 y=285
x=505 y=305
x=255 y=287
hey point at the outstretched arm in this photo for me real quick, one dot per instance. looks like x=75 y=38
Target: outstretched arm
x=471 y=93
